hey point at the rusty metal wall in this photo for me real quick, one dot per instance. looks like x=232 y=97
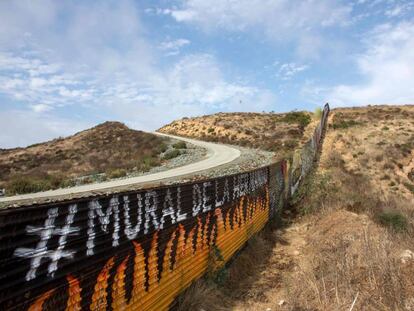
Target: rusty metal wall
x=135 y=250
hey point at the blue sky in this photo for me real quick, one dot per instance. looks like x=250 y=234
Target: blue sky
x=68 y=65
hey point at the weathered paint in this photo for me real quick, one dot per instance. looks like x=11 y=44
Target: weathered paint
x=137 y=250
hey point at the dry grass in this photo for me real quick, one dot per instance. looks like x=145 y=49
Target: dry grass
x=359 y=228
x=268 y=131
x=358 y=261
x=337 y=252
x=209 y=295
x=108 y=147
x=377 y=142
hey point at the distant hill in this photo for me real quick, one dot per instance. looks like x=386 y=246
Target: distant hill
x=110 y=147
x=377 y=142
x=267 y=131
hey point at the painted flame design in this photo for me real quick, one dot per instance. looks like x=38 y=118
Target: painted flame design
x=227 y=233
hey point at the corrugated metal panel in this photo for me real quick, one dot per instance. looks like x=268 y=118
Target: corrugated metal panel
x=135 y=250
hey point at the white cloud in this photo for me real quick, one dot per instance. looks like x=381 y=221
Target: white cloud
x=41 y=108
x=194 y=85
x=279 y=20
x=288 y=70
x=39 y=81
x=387 y=68
x=99 y=60
x=399 y=9
x=172 y=47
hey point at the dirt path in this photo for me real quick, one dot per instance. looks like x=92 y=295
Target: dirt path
x=284 y=260
x=217 y=155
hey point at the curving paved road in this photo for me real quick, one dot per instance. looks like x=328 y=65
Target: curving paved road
x=216 y=155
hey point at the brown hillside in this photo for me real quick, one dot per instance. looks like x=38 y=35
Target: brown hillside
x=268 y=131
x=108 y=146
x=347 y=241
x=378 y=143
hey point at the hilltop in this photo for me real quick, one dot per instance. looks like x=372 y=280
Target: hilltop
x=110 y=148
x=280 y=133
x=346 y=241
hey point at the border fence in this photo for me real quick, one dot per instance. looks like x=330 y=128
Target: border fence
x=139 y=250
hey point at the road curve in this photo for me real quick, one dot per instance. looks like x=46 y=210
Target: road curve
x=216 y=155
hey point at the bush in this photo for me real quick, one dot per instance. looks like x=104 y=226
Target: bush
x=318 y=113
x=22 y=185
x=172 y=154
x=27 y=184
x=116 y=173
x=146 y=163
x=343 y=124
x=67 y=183
x=393 y=219
x=162 y=148
x=210 y=130
x=180 y=145
x=299 y=117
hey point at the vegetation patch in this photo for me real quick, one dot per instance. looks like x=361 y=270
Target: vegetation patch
x=110 y=148
x=393 y=219
x=180 y=145
x=172 y=154
x=409 y=187
x=116 y=173
x=266 y=131
x=344 y=124
x=299 y=117
x=28 y=184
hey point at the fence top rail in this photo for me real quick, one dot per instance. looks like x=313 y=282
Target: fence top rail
x=49 y=201
x=13 y=206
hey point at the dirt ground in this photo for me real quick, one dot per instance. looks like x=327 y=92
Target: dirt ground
x=106 y=148
x=281 y=133
x=347 y=244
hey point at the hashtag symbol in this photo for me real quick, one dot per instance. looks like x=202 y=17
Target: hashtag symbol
x=41 y=251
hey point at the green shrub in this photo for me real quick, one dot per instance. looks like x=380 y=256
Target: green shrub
x=393 y=219
x=210 y=130
x=116 y=173
x=162 y=148
x=22 y=185
x=151 y=161
x=180 y=145
x=146 y=163
x=27 y=184
x=318 y=113
x=172 y=154
x=343 y=124
x=67 y=183
x=299 y=117
x=216 y=270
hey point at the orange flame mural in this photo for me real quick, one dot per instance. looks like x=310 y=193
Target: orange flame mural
x=192 y=250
